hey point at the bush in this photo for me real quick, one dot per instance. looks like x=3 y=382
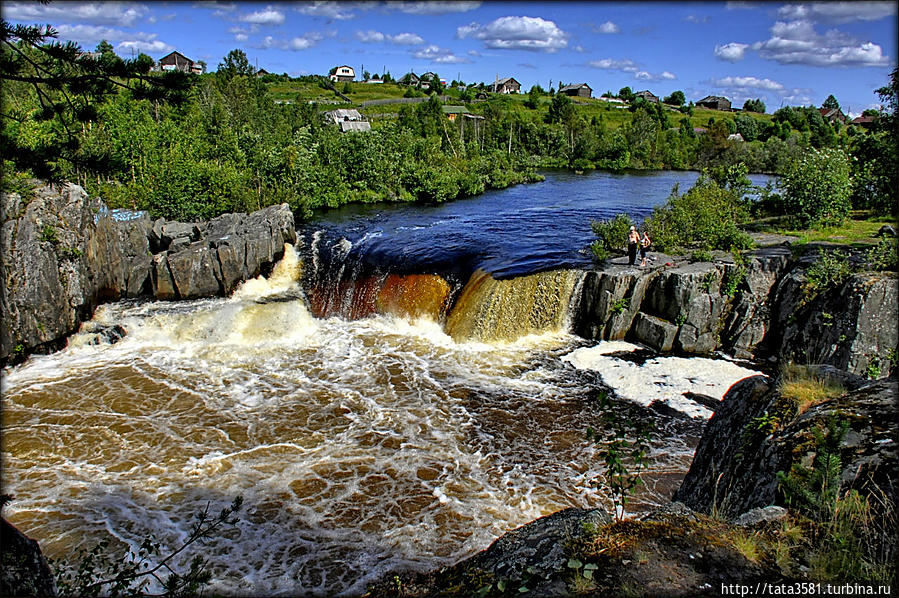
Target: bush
x=611 y=235
x=817 y=188
x=883 y=256
x=705 y=217
x=830 y=271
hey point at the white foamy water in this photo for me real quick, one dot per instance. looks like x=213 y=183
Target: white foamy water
x=662 y=379
x=359 y=447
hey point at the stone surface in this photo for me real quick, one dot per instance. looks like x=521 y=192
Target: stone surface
x=754 y=311
x=735 y=465
x=64 y=252
x=23 y=569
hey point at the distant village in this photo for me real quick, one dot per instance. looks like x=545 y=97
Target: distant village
x=349 y=119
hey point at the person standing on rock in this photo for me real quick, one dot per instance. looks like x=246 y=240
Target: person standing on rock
x=645 y=242
x=633 y=239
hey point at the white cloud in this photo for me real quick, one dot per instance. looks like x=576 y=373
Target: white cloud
x=748 y=83
x=406 y=39
x=95 y=13
x=303 y=42
x=89 y=36
x=400 y=39
x=147 y=47
x=439 y=55
x=629 y=66
x=370 y=37
x=517 y=33
x=695 y=19
x=608 y=27
x=267 y=16
x=626 y=65
x=839 y=12
x=732 y=52
x=340 y=11
x=432 y=8
x=797 y=42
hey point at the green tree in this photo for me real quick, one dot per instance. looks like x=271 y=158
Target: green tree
x=755 y=105
x=626 y=94
x=675 y=99
x=51 y=95
x=817 y=187
x=235 y=63
x=533 y=100
x=875 y=166
x=831 y=103
x=561 y=109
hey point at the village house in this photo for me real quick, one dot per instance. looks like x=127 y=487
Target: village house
x=863 y=121
x=832 y=114
x=580 y=90
x=176 y=61
x=343 y=73
x=507 y=85
x=647 y=95
x=348 y=119
x=409 y=78
x=714 y=103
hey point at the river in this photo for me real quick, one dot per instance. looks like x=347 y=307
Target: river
x=369 y=428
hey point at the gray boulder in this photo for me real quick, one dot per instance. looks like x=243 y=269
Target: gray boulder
x=735 y=466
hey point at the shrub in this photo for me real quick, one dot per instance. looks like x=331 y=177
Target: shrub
x=883 y=256
x=817 y=188
x=830 y=271
x=706 y=217
x=611 y=235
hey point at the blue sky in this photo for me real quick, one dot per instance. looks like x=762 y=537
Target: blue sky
x=784 y=53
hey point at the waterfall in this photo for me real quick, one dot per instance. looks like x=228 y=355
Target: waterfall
x=499 y=310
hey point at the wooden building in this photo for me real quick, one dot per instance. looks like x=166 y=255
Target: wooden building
x=507 y=85
x=581 y=90
x=714 y=103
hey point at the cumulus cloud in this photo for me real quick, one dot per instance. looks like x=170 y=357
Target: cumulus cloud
x=432 y=8
x=90 y=35
x=400 y=39
x=608 y=27
x=147 y=47
x=838 y=12
x=627 y=65
x=748 y=83
x=732 y=52
x=696 y=19
x=517 y=33
x=266 y=16
x=339 y=11
x=797 y=42
x=439 y=55
x=303 y=42
x=95 y=13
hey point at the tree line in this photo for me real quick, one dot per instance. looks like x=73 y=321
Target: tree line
x=195 y=146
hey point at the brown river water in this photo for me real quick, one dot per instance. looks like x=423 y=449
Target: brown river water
x=398 y=439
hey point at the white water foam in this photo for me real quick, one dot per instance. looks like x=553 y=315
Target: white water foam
x=662 y=379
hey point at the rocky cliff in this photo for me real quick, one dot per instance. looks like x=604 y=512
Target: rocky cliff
x=751 y=310
x=64 y=252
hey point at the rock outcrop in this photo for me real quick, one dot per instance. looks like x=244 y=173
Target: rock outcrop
x=64 y=252
x=755 y=433
x=752 y=310
x=23 y=569
x=672 y=551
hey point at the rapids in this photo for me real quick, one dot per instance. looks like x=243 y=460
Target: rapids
x=360 y=445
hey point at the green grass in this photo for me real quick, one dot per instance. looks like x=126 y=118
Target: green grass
x=860 y=229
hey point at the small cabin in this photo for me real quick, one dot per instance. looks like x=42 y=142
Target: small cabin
x=714 y=103
x=581 y=90
x=176 y=61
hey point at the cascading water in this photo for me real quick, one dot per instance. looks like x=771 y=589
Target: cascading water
x=375 y=414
